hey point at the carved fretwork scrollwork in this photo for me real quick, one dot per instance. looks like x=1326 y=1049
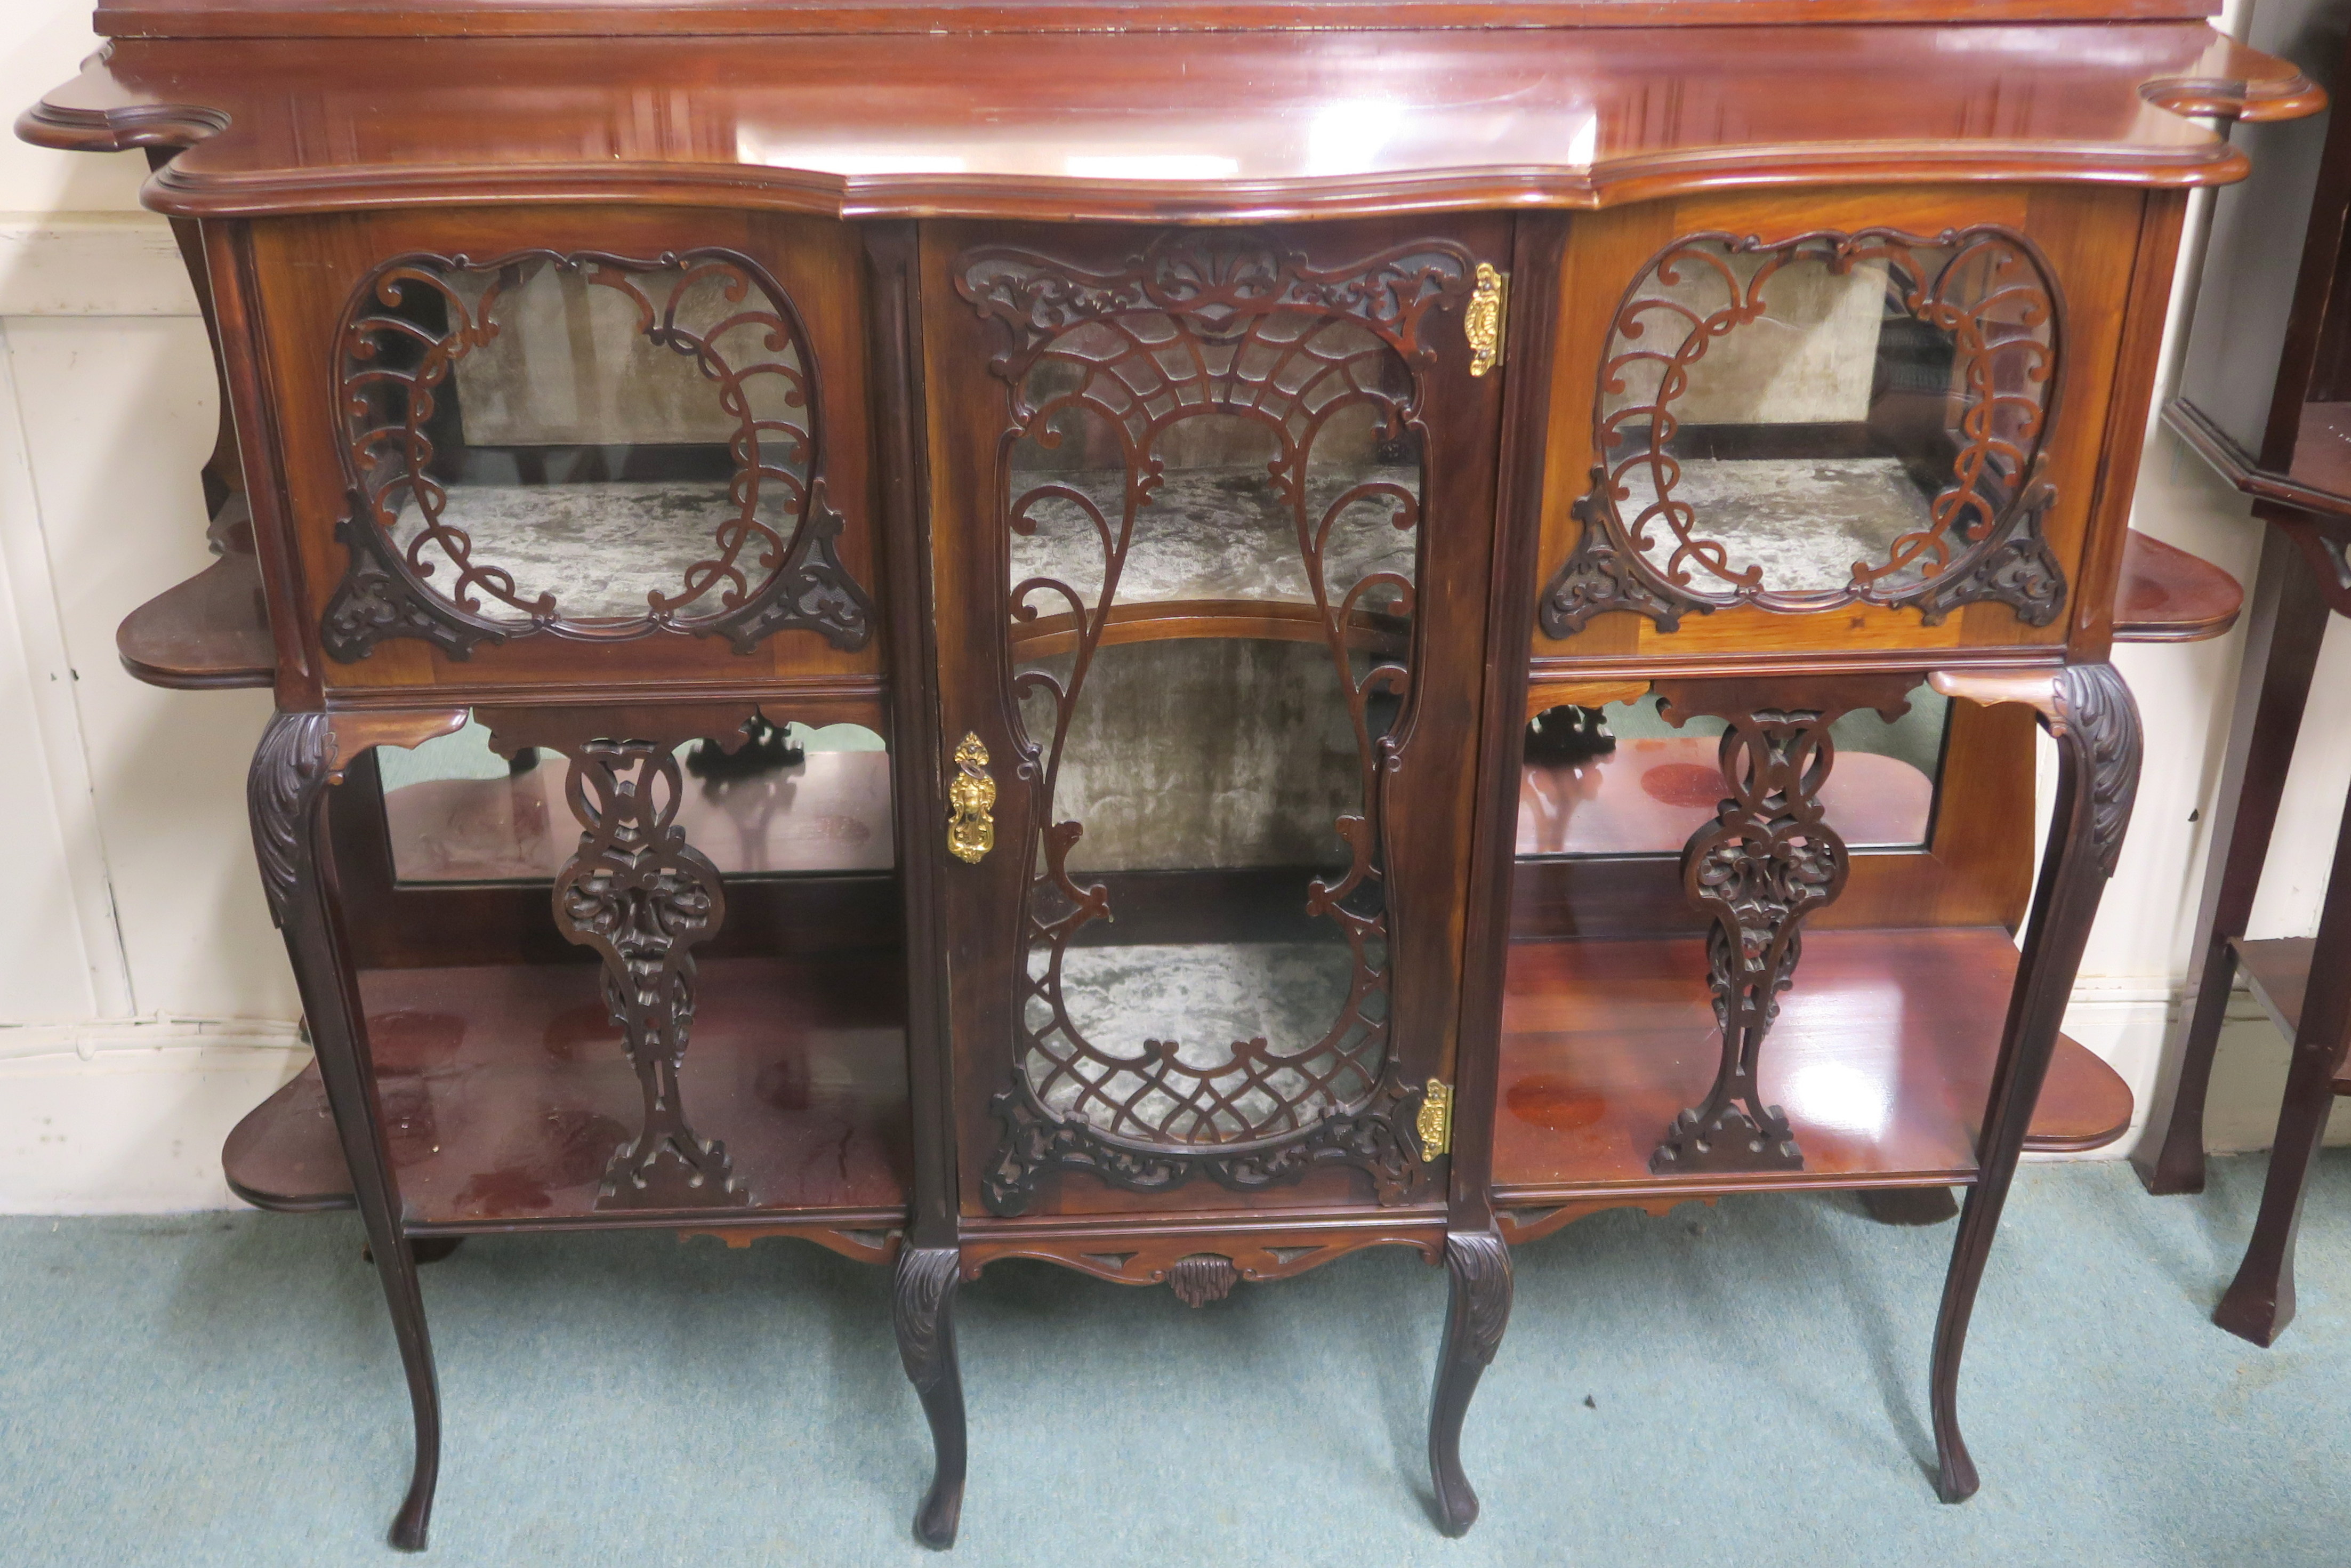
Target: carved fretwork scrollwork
x=1376 y=1138
x=637 y=894
x=1234 y=326
x=1217 y=282
x=1599 y=576
x=1985 y=291
x=1767 y=861
x=773 y=563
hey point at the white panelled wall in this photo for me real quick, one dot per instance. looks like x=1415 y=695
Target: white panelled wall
x=145 y=1002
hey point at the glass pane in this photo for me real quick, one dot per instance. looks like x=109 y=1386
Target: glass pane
x=808 y=801
x=1657 y=784
x=1832 y=416
x=587 y=441
x=1213 y=547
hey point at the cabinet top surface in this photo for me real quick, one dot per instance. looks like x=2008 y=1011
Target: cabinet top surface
x=1251 y=124
x=473 y=18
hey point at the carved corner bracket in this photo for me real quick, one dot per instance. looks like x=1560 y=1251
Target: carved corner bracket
x=641 y=897
x=1765 y=863
x=1605 y=572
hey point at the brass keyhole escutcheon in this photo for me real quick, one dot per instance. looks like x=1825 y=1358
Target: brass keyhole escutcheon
x=971 y=804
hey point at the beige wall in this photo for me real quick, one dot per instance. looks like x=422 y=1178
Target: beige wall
x=144 y=1001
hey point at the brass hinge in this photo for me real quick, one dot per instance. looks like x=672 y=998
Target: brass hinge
x=1436 y=1121
x=1486 y=320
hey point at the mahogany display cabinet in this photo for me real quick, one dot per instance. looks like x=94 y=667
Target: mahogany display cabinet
x=914 y=626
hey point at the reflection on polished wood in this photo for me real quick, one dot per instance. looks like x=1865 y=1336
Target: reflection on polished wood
x=504 y=1091
x=828 y=813
x=2168 y=595
x=1648 y=795
x=1882 y=1057
x=210 y=631
x=475 y=19
x=284 y=1153
x=1139 y=124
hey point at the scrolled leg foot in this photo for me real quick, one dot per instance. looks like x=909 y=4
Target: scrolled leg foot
x=1477 y=1309
x=1955 y=1472
x=923 y=1311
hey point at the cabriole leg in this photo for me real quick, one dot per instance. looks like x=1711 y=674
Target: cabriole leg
x=1477 y=1309
x=2096 y=728
x=286 y=794
x=923 y=1307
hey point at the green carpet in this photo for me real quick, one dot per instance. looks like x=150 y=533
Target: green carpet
x=1741 y=1385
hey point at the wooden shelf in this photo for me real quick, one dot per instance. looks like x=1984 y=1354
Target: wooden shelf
x=1882 y=1059
x=505 y=1092
x=2277 y=972
x=2318 y=480
x=2168 y=595
x=211 y=631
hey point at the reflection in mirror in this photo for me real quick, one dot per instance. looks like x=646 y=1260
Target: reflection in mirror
x=455 y=811
x=1660 y=784
x=1206 y=780
x=1216 y=516
x=582 y=440
x=1836 y=416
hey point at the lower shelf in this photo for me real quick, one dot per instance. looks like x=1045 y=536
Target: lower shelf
x=2277 y=971
x=1882 y=1059
x=504 y=1091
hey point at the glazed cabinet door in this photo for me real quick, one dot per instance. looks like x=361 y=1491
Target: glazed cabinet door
x=579 y=448
x=1212 y=524
x=1812 y=422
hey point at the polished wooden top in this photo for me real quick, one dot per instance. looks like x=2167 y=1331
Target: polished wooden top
x=1136 y=125
x=542 y=18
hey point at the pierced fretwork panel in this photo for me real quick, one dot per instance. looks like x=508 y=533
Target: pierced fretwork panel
x=586 y=444
x=1766 y=861
x=1212 y=515
x=1836 y=418
x=641 y=897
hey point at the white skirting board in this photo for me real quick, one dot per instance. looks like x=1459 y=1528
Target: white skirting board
x=127 y=1117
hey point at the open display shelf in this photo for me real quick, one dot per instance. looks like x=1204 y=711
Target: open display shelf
x=208 y=632
x=506 y=1089
x=1882 y=1058
x=2168 y=595
x=2277 y=971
